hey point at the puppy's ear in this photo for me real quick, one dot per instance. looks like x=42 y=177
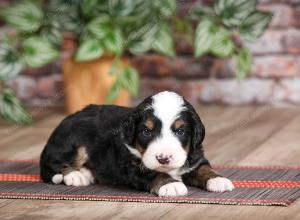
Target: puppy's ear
x=198 y=132
x=129 y=126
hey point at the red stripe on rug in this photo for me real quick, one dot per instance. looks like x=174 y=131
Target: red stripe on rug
x=256 y=167
x=237 y=183
x=265 y=184
x=19 y=177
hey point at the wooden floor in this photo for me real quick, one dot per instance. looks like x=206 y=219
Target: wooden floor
x=235 y=135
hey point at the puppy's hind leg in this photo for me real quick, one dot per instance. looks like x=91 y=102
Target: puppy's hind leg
x=68 y=167
x=51 y=165
x=78 y=174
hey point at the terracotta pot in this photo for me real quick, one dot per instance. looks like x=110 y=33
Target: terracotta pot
x=89 y=83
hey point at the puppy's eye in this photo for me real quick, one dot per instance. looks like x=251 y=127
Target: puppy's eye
x=179 y=132
x=147 y=132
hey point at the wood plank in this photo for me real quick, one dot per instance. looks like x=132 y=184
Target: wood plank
x=216 y=212
x=35 y=209
x=8 y=131
x=283 y=148
x=30 y=139
x=218 y=124
x=236 y=144
x=37 y=112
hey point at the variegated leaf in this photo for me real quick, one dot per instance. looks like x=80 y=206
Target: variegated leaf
x=254 y=26
x=89 y=49
x=204 y=36
x=10 y=64
x=25 y=16
x=38 y=52
x=163 y=42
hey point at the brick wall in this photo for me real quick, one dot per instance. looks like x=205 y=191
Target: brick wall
x=275 y=74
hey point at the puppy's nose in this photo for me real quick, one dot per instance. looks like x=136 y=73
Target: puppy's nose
x=163 y=159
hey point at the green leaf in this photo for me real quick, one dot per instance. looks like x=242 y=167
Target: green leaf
x=115 y=66
x=10 y=64
x=12 y=109
x=100 y=26
x=243 y=62
x=52 y=35
x=164 y=42
x=66 y=13
x=222 y=44
x=25 y=16
x=113 y=42
x=129 y=80
x=120 y=7
x=200 y=12
x=113 y=92
x=89 y=49
x=88 y=6
x=255 y=25
x=38 y=52
x=204 y=35
x=233 y=12
x=166 y=7
x=141 y=40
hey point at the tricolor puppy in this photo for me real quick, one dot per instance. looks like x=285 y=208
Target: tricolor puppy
x=156 y=147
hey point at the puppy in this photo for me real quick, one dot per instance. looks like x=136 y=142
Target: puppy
x=155 y=147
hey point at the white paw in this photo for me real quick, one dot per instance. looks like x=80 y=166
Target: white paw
x=76 y=178
x=57 y=178
x=173 y=189
x=88 y=174
x=219 y=184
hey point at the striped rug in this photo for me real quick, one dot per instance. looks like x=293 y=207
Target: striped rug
x=278 y=186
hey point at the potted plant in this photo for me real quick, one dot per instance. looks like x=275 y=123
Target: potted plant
x=103 y=32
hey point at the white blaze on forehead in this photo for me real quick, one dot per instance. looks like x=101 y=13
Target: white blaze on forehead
x=167 y=106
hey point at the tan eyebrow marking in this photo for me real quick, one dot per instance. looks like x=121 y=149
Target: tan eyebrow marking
x=149 y=124
x=178 y=123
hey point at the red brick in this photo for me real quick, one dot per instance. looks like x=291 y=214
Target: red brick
x=296 y=21
x=182 y=45
x=230 y=91
x=42 y=71
x=24 y=86
x=291 y=41
x=277 y=41
x=181 y=67
x=150 y=86
x=276 y=66
x=270 y=42
x=280 y=1
x=287 y=91
x=50 y=86
x=283 y=14
x=267 y=91
x=187 y=88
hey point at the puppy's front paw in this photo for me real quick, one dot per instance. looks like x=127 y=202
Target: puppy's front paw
x=173 y=189
x=219 y=184
x=88 y=174
x=76 y=178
